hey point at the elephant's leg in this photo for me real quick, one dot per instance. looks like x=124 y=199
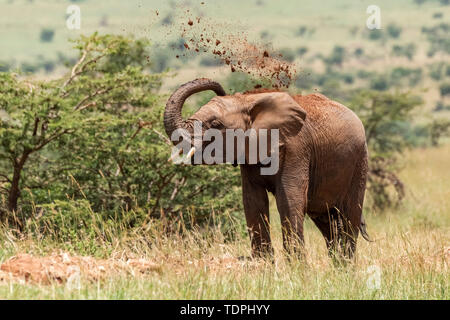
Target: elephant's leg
x=291 y=203
x=256 y=207
x=331 y=229
x=352 y=209
x=338 y=234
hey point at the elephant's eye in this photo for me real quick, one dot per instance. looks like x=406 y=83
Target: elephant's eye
x=216 y=124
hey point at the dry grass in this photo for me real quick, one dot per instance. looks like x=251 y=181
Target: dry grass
x=411 y=252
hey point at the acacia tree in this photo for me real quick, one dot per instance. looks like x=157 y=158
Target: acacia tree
x=35 y=114
x=96 y=135
x=383 y=114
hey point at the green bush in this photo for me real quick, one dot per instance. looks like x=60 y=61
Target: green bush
x=336 y=56
x=438 y=37
x=437 y=70
x=288 y=54
x=93 y=141
x=444 y=89
x=47 y=35
x=303 y=31
x=5 y=66
x=358 y=52
x=394 y=30
x=412 y=75
x=440 y=106
x=302 y=51
x=380 y=83
x=407 y=50
x=375 y=34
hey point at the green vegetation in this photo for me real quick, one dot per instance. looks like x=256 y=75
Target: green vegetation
x=47 y=35
x=94 y=141
x=407 y=50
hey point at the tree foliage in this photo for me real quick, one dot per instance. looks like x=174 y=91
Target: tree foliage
x=96 y=135
x=383 y=115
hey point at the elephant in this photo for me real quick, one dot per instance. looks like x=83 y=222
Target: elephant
x=323 y=162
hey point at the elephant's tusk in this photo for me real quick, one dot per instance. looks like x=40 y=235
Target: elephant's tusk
x=174 y=155
x=190 y=153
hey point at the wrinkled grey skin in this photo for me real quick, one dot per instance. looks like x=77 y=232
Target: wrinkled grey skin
x=323 y=162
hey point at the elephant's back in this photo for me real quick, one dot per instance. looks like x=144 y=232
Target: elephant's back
x=327 y=116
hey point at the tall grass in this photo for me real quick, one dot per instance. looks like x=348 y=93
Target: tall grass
x=411 y=253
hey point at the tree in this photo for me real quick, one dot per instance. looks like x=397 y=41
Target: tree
x=36 y=114
x=96 y=136
x=383 y=114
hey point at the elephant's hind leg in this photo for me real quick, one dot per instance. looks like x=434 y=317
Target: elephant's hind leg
x=352 y=208
x=339 y=238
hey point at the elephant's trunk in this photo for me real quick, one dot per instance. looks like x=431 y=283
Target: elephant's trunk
x=172 y=115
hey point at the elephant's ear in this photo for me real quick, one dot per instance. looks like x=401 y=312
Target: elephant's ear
x=276 y=110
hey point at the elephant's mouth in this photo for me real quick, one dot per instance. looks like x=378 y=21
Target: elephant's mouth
x=194 y=156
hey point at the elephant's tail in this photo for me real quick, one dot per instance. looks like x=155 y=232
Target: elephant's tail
x=362 y=228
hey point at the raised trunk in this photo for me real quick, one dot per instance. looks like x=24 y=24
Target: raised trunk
x=172 y=115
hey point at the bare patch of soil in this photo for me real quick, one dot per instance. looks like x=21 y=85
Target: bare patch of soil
x=64 y=268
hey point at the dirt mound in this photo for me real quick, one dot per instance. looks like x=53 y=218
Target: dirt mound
x=63 y=268
x=221 y=39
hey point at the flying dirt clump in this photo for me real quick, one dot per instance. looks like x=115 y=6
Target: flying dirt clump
x=233 y=48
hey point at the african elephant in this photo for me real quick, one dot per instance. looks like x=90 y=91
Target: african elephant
x=322 y=162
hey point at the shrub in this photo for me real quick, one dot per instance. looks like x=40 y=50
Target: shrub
x=5 y=66
x=438 y=37
x=394 y=30
x=302 y=51
x=437 y=70
x=444 y=89
x=413 y=76
x=440 y=106
x=288 y=54
x=303 y=31
x=47 y=35
x=438 y=128
x=336 y=56
x=376 y=34
x=358 y=52
x=407 y=50
x=380 y=83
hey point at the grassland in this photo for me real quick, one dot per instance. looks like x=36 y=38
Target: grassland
x=412 y=252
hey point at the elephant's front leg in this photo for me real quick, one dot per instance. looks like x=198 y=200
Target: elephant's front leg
x=256 y=207
x=291 y=197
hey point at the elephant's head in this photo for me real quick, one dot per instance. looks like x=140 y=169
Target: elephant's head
x=267 y=110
